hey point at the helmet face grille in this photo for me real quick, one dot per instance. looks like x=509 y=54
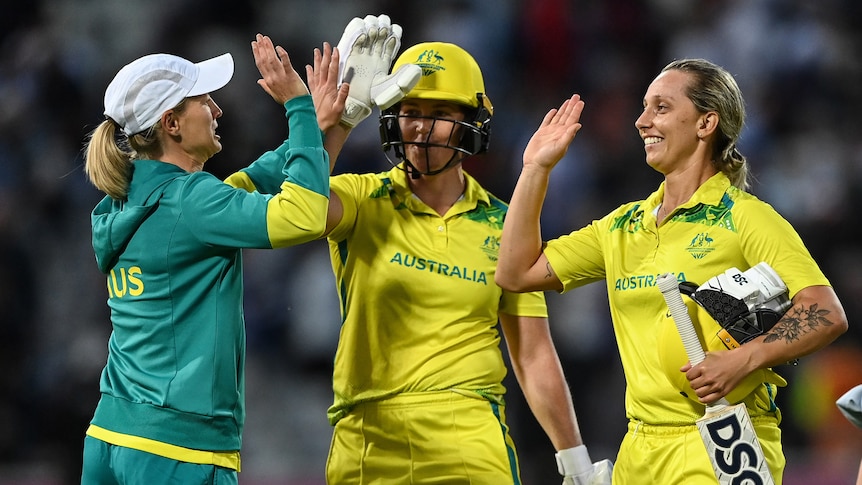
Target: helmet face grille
x=450 y=74
x=472 y=141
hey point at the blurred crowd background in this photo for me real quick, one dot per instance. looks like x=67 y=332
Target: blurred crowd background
x=798 y=63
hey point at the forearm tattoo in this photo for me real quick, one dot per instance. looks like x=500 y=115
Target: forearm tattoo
x=797 y=322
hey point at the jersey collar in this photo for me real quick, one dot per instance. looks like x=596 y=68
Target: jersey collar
x=709 y=193
x=473 y=195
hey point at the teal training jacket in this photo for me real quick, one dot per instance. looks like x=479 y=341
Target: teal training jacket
x=172 y=256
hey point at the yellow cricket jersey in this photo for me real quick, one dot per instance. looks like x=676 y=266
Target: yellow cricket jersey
x=418 y=298
x=718 y=228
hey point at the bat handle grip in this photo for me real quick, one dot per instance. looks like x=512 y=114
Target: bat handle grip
x=694 y=350
x=670 y=290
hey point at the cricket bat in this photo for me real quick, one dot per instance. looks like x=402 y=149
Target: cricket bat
x=726 y=430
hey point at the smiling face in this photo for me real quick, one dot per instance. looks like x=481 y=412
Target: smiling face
x=670 y=123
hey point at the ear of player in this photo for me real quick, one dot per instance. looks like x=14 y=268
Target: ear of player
x=576 y=467
x=367 y=49
x=745 y=304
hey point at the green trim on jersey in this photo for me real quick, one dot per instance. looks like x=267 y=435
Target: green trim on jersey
x=419 y=302
x=718 y=228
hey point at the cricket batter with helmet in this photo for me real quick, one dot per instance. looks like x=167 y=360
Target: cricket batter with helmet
x=700 y=384
x=418 y=372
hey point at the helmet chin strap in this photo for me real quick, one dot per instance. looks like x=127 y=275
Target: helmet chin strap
x=472 y=141
x=457 y=157
x=415 y=173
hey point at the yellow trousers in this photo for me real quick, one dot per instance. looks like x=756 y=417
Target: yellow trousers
x=443 y=437
x=675 y=455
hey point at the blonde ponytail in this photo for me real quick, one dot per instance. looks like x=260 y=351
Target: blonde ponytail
x=734 y=165
x=107 y=164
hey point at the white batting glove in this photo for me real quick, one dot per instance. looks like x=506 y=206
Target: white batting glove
x=746 y=304
x=756 y=287
x=576 y=467
x=367 y=49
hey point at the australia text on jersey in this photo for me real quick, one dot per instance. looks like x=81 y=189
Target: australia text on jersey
x=635 y=282
x=424 y=264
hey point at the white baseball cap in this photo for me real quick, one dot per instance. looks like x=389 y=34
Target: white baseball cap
x=147 y=87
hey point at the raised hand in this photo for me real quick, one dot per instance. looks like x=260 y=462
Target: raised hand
x=367 y=49
x=328 y=97
x=279 y=79
x=550 y=142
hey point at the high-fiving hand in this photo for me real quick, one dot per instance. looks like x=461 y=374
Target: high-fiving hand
x=329 y=98
x=550 y=142
x=367 y=49
x=279 y=79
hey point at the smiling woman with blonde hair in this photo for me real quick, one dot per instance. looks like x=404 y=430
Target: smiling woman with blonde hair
x=697 y=225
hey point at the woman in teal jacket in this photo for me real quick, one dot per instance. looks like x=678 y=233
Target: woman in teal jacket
x=169 y=237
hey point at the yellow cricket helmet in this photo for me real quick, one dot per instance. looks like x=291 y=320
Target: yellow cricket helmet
x=451 y=74
x=672 y=355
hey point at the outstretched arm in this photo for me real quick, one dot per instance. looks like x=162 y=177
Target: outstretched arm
x=282 y=83
x=522 y=266
x=329 y=99
x=297 y=213
x=363 y=58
